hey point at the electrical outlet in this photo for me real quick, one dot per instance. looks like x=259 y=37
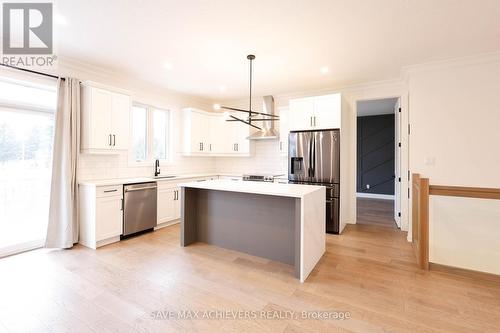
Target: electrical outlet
x=367 y=186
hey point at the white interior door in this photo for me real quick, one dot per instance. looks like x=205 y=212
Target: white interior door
x=397 y=162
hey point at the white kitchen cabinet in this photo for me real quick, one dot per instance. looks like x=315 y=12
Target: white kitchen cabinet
x=217 y=142
x=237 y=134
x=209 y=134
x=301 y=114
x=196 y=132
x=169 y=199
x=284 y=114
x=100 y=214
x=104 y=120
x=314 y=113
x=168 y=205
x=327 y=111
x=120 y=121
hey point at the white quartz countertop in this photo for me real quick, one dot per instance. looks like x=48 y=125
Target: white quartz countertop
x=121 y=181
x=276 y=189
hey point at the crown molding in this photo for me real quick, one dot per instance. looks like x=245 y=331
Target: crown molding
x=482 y=58
x=69 y=67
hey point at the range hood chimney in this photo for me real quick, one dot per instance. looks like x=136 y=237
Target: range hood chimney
x=267 y=132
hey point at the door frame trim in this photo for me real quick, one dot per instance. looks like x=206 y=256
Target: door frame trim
x=402 y=94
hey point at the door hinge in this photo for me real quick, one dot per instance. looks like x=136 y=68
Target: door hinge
x=399 y=179
x=399 y=110
x=409 y=129
x=399 y=214
x=408 y=193
x=408 y=175
x=399 y=145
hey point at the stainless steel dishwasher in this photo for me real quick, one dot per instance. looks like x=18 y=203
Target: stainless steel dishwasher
x=139 y=211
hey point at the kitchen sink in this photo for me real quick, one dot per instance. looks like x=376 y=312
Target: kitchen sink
x=166 y=176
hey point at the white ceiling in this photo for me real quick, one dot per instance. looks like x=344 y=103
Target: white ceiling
x=376 y=107
x=207 y=41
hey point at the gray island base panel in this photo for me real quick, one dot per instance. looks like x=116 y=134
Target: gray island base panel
x=262 y=225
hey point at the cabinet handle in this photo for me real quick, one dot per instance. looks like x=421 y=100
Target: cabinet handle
x=109 y=191
x=175 y=195
x=237 y=146
x=281 y=145
x=110 y=139
x=210 y=147
x=114 y=140
x=311 y=121
x=314 y=121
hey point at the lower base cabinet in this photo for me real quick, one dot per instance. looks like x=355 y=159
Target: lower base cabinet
x=100 y=214
x=169 y=208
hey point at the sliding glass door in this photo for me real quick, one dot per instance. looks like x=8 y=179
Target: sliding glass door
x=26 y=135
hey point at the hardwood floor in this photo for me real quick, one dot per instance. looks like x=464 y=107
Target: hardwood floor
x=368 y=271
x=376 y=212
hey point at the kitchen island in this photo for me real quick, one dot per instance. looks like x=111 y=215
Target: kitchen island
x=280 y=222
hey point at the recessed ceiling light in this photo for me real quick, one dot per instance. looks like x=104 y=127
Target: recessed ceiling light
x=167 y=66
x=60 y=20
x=323 y=70
x=216 y=106
x=222 y=88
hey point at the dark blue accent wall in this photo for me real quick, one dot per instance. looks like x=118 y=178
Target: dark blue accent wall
x=376 y=154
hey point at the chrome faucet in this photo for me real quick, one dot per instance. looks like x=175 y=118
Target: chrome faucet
x=157 y=168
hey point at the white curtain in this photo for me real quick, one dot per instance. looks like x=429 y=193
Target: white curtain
x=62 y=231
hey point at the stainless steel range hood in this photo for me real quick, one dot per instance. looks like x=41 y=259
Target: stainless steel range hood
x=268 y=132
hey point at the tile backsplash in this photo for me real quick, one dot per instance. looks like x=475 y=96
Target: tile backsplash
x=93 y=166
x=266 y=158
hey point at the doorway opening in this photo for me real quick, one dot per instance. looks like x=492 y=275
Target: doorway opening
x=378 y=182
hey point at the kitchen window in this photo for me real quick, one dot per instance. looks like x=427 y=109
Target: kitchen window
x=26 y=140
x=150 y=134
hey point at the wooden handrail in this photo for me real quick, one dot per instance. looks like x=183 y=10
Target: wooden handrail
x=467 y=192
x=420 y=220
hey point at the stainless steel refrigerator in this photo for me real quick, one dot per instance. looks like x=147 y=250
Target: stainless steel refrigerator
x=314 y=158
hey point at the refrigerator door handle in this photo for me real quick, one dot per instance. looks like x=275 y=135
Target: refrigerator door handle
x=309 y=169
x=313 y=160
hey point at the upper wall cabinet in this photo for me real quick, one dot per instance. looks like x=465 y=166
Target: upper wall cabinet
x=208 y=134
x=311 y=113
x=105 y=115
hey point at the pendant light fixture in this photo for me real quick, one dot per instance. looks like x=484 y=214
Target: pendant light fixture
x=253 y=116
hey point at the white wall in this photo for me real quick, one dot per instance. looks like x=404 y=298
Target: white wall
x=463 y=232
x=117 y=166
x=454 y=114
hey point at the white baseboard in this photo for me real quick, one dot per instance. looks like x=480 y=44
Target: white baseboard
x=166 y=224
x=23 y=247
x=375 y=196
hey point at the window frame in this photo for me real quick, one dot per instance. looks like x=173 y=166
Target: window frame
x=150 y=136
